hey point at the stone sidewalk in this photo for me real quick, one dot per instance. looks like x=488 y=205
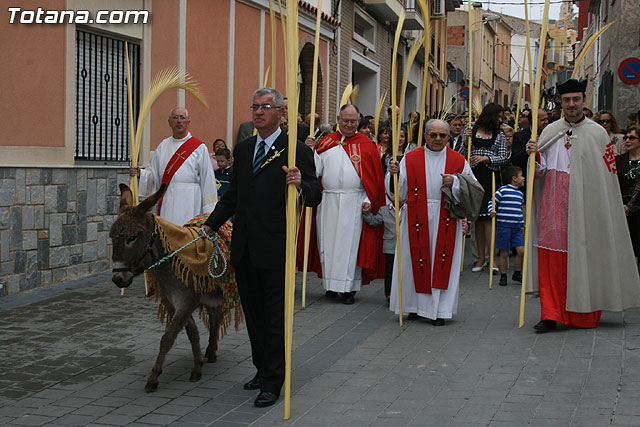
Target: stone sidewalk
x=79 y=354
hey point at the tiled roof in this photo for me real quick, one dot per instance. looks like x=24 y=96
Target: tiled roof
x=309 y=7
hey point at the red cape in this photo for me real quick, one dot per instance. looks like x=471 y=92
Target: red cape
x=365 y=158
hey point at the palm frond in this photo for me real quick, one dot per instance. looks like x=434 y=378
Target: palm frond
x=476 y=106
x=376 y=123
x=413 y=52
x=266 y=77
x=427 y=50
x=346 y=94
x=354 y=94
x=169 y=78
x=283 y=21
x=444 y=113
x=586 y=48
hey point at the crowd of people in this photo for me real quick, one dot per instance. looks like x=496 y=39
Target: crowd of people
x=582 y=254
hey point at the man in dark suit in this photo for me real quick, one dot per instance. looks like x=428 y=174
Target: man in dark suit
x=519 y=156
x=256 y=197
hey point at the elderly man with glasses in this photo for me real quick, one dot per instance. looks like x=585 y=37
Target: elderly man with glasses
x=430 y=235
x=256 y=196
x=182 y=162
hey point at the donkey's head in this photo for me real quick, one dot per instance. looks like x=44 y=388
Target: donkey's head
x=132 y=236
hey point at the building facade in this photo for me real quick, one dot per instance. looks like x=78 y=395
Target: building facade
x=67 y=147
x=607 y=90
x=491 y=36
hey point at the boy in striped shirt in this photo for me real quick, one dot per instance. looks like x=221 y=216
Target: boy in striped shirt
x=509 y=221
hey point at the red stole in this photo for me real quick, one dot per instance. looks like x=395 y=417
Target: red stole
x=418 y=223
x=365 y=158
x=178 y=158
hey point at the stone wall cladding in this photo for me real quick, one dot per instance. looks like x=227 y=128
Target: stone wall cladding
x=54 y=224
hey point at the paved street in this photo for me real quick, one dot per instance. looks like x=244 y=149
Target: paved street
x=79 y=354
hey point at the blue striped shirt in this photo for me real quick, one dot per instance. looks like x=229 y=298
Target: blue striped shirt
x=509 y=201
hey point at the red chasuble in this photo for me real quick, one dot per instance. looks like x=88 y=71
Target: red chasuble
x=418 y=223
x=365 y=158
x=178 y=158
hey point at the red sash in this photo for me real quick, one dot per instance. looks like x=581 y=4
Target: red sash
x=178 y=158
x=418 y=223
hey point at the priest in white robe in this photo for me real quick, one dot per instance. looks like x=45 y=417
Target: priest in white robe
x=350 y=251
x=184 y=163
x=431 y=238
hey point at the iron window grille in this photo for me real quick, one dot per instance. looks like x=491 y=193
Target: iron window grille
x=101 y=108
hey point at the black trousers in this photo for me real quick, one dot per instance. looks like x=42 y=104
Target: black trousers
x=388 y=273
x=262 y=296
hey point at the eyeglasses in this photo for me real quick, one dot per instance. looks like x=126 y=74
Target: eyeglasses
x=434 y=135
x=265 y=107
x=179 y=117
x=626 y=137
x=350 y=122
x=604 y=121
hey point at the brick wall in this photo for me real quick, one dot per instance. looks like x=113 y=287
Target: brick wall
x=381 y=56
x=54 y=224
x=455 y=35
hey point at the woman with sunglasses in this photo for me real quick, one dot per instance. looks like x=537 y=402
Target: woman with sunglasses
x=488 y=155
x=605 y=119
x=624 y=162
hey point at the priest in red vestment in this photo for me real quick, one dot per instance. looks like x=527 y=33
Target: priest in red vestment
x=349 y=250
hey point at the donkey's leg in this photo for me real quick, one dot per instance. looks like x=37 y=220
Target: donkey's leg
x=194 y=338
x=215 y=319
x=178 y=322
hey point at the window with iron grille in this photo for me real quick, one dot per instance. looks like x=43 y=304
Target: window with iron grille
x=102 y=113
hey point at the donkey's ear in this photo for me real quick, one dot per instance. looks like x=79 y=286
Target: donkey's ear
x=150 y=201
x=126 y=196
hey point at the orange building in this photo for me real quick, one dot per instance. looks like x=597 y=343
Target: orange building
x=66 y=147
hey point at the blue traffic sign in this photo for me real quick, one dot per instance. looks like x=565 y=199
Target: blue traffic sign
x=629 y=71
x=464 y=92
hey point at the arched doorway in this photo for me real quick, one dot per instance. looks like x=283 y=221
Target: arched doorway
x=305 y=69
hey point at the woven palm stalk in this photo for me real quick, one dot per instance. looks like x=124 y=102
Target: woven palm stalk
x=532 y=157
x=395 y=121
x=312 y=127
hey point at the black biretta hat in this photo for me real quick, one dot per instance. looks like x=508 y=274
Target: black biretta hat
x=572 y=86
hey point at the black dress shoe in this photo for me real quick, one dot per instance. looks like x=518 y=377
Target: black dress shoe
x=266 y=398
x=437 y=322
x=517 y=276
x=331 y=294
x=347 y=298
x=253 y=384
x=545 y=326
x=413 y=316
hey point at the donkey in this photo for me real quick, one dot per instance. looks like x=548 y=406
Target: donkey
x=135 y=248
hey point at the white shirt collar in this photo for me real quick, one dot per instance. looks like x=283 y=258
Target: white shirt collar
x=268 y=140
x=182 y=139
